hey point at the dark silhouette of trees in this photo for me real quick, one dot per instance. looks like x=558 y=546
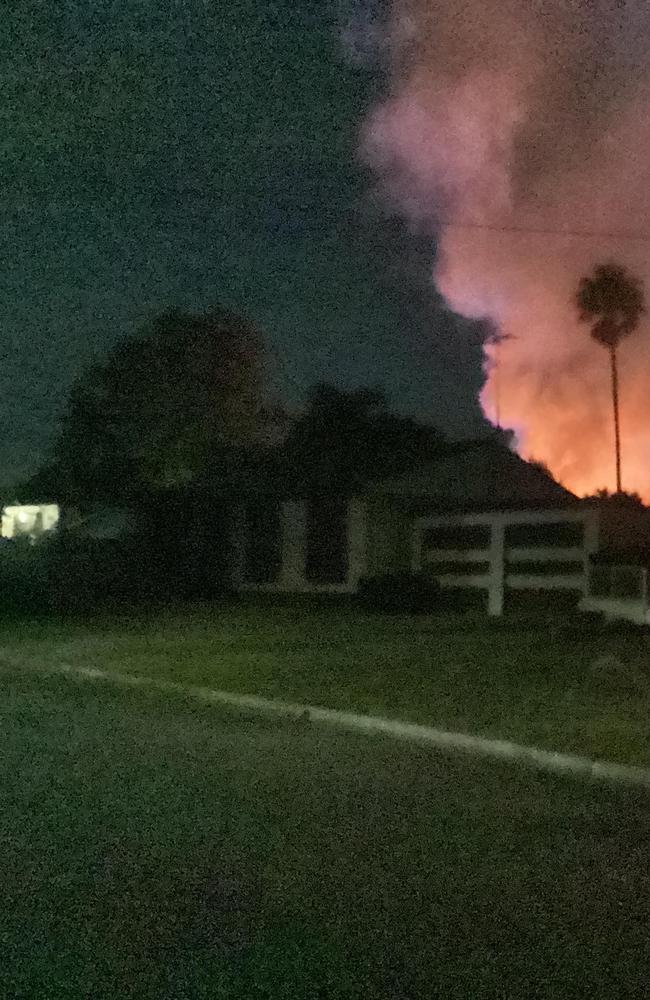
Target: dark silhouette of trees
x=182 y=393
x=341 y=442
x=542 y=468
x=157 y=431
x=630 y=500
x=612 y=302
x=345 y=439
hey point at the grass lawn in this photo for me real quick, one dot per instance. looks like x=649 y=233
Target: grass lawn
x=533 y=680
x=157 y=849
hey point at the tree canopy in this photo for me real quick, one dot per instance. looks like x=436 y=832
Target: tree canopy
x=347 y=438
x=163 y=403
x=623 y=499
x=612 y=302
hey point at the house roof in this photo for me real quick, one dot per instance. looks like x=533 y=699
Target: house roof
x=478 y=475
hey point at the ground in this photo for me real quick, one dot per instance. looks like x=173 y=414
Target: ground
x=156 y=848
x=559 y=682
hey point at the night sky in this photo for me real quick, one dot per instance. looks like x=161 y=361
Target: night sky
x=199 y=152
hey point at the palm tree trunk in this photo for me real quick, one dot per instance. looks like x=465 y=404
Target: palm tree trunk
x=617 y=430
x=497 y=387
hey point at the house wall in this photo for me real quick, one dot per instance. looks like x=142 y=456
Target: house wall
x=379 y=537
x=386 y=534
x=292 y=576
x=389 y=532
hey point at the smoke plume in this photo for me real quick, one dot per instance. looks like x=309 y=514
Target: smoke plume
x=519 y=132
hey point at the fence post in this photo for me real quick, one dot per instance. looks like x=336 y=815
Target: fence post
x=497 y=568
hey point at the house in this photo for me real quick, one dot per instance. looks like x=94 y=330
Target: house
x=477 y=515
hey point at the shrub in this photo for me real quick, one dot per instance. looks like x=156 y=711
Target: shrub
x=23 y=576
x=400 y=593
x=86 y=572
x=71 y=573
x=541 y=600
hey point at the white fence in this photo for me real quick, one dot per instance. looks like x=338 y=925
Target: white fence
x=522 y=550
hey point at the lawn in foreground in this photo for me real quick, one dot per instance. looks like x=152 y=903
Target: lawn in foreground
x=543 y=681
x=155 y=848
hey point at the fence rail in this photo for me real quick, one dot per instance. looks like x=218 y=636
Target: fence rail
x=534 y=563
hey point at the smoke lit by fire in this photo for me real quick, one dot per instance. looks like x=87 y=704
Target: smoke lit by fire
x=530 y=115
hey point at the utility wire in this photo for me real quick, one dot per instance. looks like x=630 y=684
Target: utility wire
x=324 y=217
x=535 y=231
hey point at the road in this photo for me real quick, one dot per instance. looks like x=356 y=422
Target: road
x=153 y=847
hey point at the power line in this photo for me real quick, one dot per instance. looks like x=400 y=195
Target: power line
x=540 y=231
x=356 y=202
x=236 y=201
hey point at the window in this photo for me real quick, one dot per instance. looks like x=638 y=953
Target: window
x=327 y=540
x=29 y=520
x=264 y=536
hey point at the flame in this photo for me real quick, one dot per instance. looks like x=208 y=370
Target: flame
x=517 y=129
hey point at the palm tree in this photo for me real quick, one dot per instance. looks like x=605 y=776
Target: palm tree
x=612 y=302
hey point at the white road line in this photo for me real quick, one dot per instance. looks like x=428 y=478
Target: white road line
x=544 y=760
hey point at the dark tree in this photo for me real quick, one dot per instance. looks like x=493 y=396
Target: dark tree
x=345 y=439
x=612 y=302
x=165 y=402
x=541 y=467
x=630 y=500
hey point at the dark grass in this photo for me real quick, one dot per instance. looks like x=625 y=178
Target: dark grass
x=547 y=680
x=152 y=848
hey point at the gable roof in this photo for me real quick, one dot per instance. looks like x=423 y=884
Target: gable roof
x=479 y=475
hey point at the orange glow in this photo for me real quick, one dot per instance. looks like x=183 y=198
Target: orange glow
x=502 y=116
x=553 y=380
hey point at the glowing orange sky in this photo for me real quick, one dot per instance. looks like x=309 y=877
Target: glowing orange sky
x=523 y=114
